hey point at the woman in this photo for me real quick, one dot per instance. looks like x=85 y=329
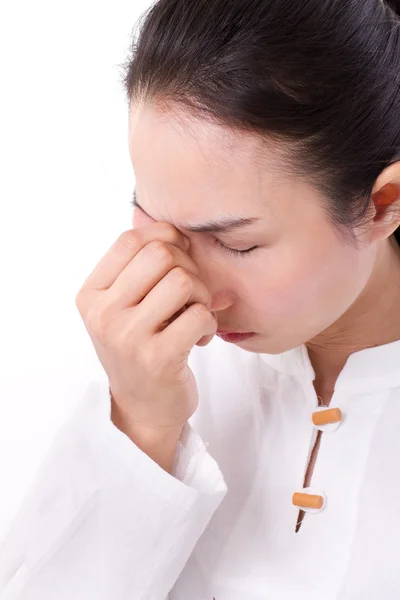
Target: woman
x=261 y=462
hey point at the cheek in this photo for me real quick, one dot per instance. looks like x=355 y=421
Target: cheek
x=140 y=219
x=307 y=284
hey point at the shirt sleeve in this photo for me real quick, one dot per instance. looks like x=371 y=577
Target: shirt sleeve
x=102 y=519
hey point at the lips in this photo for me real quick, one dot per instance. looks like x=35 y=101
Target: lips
x=234 y=337
x=231 y=331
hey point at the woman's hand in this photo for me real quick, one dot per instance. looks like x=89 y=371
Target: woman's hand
x=145 y=308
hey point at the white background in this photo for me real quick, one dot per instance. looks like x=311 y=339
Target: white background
x=66 y=181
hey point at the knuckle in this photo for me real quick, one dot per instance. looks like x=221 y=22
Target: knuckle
x=97 y=320
x=130 y=239
x=181 y=278
x=162 y=251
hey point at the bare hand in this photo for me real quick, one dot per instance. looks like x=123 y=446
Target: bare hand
x=145 y=308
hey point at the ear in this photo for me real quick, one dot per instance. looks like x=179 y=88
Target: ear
x=386 y=200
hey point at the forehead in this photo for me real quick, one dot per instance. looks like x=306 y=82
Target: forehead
x=188 y=169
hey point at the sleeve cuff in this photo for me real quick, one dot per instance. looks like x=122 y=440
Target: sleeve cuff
x=194 y=467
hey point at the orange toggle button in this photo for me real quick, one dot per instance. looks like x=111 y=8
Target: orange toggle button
x=307 y=500
x=324 y=417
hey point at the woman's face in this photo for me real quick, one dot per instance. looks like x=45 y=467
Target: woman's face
x=299 y=280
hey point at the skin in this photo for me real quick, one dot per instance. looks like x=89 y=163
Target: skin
x=304 y=284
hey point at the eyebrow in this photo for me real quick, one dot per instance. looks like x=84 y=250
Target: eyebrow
x=225 y=224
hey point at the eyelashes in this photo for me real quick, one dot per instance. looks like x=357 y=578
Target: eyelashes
x=233 y=251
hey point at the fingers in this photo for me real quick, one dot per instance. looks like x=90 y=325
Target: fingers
x=207 y=338
x=126 y=247
x=120 y=255
x=143 y=273
x=177 y=290
x=195 y=324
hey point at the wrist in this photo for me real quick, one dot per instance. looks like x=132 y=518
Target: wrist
x=159 y=443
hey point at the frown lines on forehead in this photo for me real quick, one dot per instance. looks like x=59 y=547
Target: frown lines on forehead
x=223 y=225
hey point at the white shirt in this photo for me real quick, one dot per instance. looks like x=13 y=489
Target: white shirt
x=104 y=522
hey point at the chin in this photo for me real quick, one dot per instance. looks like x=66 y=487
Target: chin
x=251 y=344
x=261 y=343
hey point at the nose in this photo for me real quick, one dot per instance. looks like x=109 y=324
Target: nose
x=221 y=300
x=213 y=278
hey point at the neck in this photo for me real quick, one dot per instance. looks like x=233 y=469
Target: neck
x=372 y=320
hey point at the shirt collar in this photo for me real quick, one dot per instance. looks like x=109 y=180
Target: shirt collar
x=369 y=369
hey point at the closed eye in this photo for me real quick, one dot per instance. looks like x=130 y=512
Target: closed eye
x=233 y=251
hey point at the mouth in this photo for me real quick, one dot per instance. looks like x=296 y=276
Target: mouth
x=233 y=336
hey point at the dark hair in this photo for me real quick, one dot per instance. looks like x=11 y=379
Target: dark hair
x=321 y=77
